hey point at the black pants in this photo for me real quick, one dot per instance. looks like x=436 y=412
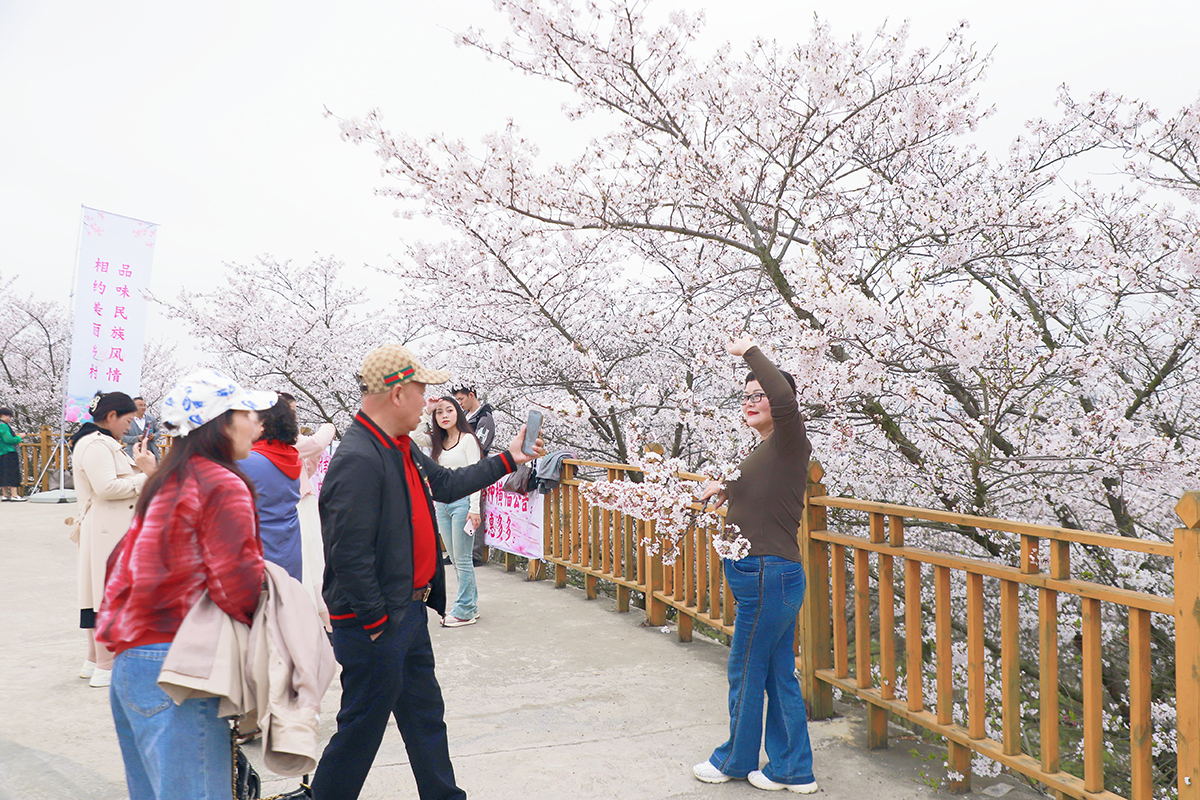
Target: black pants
x=391 y=676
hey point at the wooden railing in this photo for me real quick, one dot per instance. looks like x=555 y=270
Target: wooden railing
x=888 y=674
x=36 y=452
x=610 y=546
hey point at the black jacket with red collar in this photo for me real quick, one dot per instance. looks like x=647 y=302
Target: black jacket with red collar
x=367 y=523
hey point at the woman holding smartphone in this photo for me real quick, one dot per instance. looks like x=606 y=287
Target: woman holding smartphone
x=765 y=503
x=452 y=444
x=108 y=483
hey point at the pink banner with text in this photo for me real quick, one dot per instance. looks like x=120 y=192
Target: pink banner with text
x=514 y=521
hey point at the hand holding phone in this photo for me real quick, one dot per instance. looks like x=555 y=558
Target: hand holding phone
x=533 y=427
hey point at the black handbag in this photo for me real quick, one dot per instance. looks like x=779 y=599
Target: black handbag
x=247 y=785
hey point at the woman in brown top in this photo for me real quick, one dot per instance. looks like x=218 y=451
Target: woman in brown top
x=765 y=503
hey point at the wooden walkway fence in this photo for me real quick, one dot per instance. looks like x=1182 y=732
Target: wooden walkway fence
x=42 y=448
x=36 y=452
x=859 y=600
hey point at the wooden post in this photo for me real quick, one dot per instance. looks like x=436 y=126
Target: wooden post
x=45 y=450
x=814 y=625
x=656 y=609
x=1010 y=667
x=958 y=755
x=1060 y=569
x=877 y=717
x=913 y=636
x=560 y=536
x=628 y=564
x=1141 y=745
x=1187 y=645
x=1093 y=699
x=976 y=680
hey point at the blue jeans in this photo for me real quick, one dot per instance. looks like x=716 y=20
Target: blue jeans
x=170 y=751
x=451 y=519
x=769 y=591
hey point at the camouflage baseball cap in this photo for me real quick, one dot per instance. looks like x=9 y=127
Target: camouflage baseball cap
x=393 y=365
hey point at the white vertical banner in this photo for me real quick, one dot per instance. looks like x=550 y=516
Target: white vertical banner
x=115 y=257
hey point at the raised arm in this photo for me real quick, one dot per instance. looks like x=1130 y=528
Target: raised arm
x=311 y=446
x=785 y=411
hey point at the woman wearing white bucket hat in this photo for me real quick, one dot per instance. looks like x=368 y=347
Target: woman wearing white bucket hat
x=194 y=529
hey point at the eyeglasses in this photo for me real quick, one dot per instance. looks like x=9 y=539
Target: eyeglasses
x=753 y=398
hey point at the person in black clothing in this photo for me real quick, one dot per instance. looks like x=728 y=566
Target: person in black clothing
x=479 y=417
x=382 y=569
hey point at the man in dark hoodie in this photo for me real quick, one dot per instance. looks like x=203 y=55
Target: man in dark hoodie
x=479 y=417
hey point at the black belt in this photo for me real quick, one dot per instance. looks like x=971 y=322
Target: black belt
x=422 y=594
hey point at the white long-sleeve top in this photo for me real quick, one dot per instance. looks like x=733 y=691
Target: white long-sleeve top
x=463 y=454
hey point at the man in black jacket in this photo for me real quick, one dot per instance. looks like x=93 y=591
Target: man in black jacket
x=479 y=417
x=382 y=569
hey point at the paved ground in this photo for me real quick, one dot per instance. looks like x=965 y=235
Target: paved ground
x=549 y=696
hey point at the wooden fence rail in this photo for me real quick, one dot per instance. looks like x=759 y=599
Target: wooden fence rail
x=36 y=452
x=41 y=448
x=857 y=577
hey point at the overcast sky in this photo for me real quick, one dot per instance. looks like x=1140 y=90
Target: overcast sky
x=208 y=118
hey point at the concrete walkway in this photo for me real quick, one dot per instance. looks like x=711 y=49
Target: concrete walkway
x=549 y=696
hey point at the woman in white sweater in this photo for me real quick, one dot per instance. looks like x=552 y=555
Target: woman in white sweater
x=452 y=444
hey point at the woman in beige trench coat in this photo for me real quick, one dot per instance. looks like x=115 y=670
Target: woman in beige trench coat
x=107 y=485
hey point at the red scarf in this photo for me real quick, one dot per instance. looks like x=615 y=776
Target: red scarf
x=284 y=456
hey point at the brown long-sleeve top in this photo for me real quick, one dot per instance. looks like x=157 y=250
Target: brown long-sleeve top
x=767 y=499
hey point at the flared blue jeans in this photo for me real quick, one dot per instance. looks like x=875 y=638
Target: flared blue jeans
x=769 y=591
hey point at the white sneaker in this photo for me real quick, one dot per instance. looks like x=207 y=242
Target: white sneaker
x=760 y=781
x=101 y=678
x=706 y=772
x=87 y=669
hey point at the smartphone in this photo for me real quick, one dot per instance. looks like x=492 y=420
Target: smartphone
x=533 y=426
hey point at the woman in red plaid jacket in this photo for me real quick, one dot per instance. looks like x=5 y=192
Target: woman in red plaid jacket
x=194 y=529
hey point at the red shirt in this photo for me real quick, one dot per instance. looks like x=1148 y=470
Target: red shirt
x=425 y=550
x=199 y=532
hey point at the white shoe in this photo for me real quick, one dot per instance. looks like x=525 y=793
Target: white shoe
x=706 y=772
x=87 y=669
x=101 y=678
x=760 y=781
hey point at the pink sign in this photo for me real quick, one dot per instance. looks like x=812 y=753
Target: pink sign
x=514 y=521
x=318 y=477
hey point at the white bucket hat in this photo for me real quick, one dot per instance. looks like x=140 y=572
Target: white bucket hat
x=205 y=395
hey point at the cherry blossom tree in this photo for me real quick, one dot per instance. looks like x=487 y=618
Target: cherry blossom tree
x=989 y=334
x=949 y=316
x=295 y=328
x=35 y=341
